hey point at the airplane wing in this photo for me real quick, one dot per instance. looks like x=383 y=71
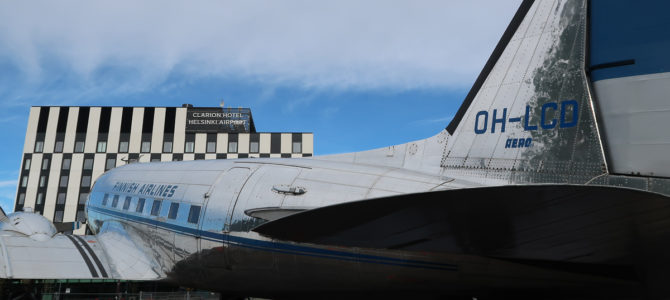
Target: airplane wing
x=561 y=223
x=32 y=252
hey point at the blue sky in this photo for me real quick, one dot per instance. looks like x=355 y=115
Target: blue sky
x=360 y=75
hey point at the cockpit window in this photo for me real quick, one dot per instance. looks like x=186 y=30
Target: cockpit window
x=115 y=201
x=104 y=199
x=174 y=208
x=126 y=204
x=194 y=214
x=140 y=205
x=156 y=207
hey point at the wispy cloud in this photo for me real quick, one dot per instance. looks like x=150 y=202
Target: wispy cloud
x=432 y=121
x=127 y=46
x=7 y=183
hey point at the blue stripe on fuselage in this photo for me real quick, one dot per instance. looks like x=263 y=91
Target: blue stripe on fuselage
x=624 y=30
x=279 y=247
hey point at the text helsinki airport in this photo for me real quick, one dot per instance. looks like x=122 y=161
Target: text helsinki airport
x=218 y=118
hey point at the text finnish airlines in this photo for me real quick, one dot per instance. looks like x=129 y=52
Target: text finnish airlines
x=147 y=189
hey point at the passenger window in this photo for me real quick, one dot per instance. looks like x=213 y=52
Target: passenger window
x=140 y=205
x=115 y=201
x=156 y=208
x=126 y=204
x=104 y=199
x=174 y=208
x=194 y=214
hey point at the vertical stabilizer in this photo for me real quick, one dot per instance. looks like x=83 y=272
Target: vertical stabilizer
x=529 y=117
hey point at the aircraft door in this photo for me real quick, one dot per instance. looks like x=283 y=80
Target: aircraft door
x=222 y=199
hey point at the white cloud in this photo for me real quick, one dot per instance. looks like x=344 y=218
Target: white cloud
x=432 y=121
x=376 y=44
x=7 y=183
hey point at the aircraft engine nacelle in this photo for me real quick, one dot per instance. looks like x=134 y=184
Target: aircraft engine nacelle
x=29 y=224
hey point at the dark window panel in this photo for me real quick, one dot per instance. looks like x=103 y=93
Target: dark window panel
x=42 y=120
x=26 y=163
x=105 y=117
x=174 y=208
x=61 y=198
x=275 y=143
x=126 y=203
x=140 y=205
x=82 y=119
x=156 y=207
x=66 y=163
x=83 y=197
x=170 y=115
x=58 y=216
x=126 y=120
x=148 y=121
x=194 y=214
x=63 y=114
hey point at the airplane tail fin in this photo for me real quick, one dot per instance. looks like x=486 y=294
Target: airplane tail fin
x=570 y=95
x=529 y=116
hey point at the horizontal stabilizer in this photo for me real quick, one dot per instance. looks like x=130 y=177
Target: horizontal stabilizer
x=569 y=223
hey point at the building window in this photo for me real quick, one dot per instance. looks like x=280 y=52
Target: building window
x=126 y=204
x=58 y=217
x=253 y=147
x=189 y=147
x=167 y=147
x=45 y=164
x=140 y=205
x=26 y=164
x=156 y=207
x=123 y=147
x=211 y=147
x=86 y=181
x=24 y=181
x=297 y=147
x=174 y=208
x=39 y=146
x=88 y=164
x=79 y=147
x=66 y=163
x=232 y=147
x=40 y=198
x=63 y=181
x=58 y=148
x=194 y=214
x=155 y=160
x=104 y=199
x=82 y=198
x=102 y=147
x=22 y=198
x=111 y=163
x=115 y=201
x=81 y=216
x=146 y=147
x=43 y=181
x=61 y=198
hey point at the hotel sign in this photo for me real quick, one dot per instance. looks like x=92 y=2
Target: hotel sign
x=220 y=120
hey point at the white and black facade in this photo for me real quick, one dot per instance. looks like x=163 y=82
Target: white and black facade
x=67 y=148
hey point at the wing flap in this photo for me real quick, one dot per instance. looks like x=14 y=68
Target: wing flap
x=569 y=223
